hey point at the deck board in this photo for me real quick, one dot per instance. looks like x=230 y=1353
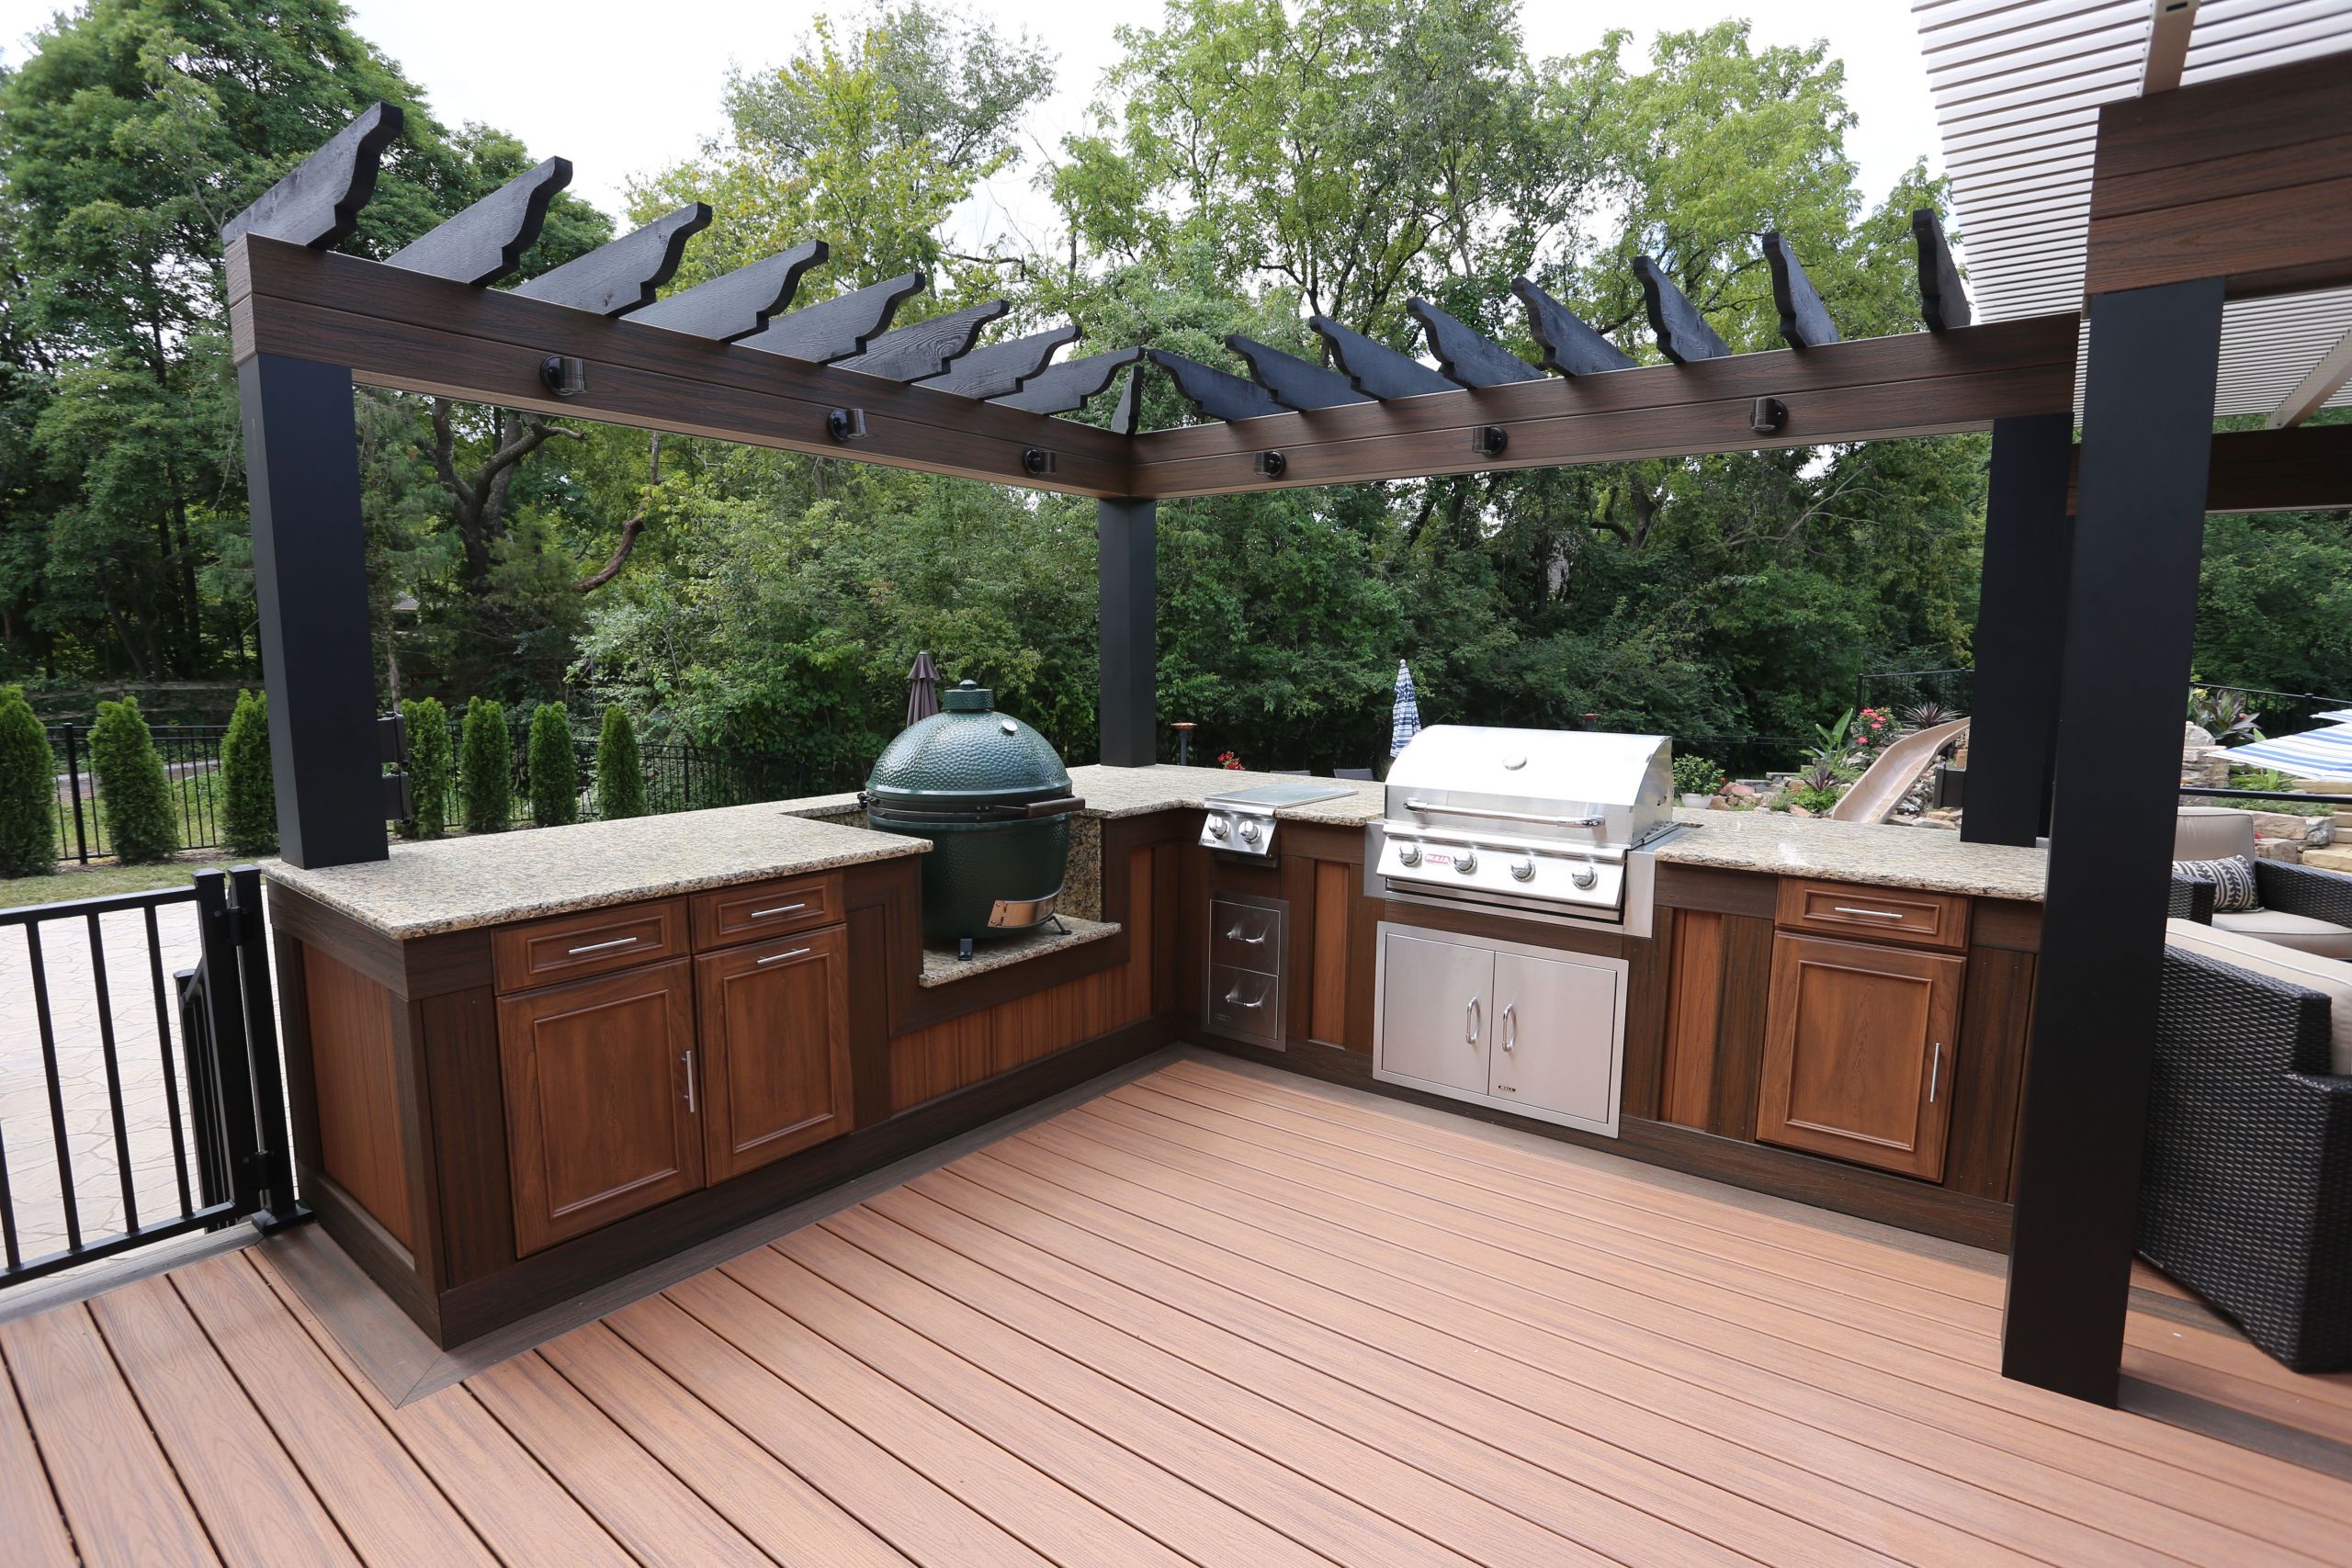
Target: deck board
x=1217 y=1315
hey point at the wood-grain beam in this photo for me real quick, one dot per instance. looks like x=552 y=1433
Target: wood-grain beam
x=1920 y=383
x=2307 y=469
x=2247 y=178
x=424 y=334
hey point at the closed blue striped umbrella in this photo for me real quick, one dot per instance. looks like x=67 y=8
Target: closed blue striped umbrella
x=2313 y=755
x=1405 y=717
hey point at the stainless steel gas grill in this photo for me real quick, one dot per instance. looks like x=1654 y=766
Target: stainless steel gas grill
x=1551 y=824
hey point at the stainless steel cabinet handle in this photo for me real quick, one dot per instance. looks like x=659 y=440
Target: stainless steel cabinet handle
x=689 y=1059
x=1873 y=913
x=1233 y=998
x=1235 y=935
x=1511 y=1026
x=779 y=909
x=1935 y=1071
x=780 y=957
x=603 y=947
x=1426 y=807
x=1472 y=1020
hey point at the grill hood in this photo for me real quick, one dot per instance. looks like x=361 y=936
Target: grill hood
x=1482 y=780
x=1539 y=821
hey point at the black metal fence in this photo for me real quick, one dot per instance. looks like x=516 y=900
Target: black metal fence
x=1901 y=691
x=211 y=1067
x=191 y=754
x=1745 y=756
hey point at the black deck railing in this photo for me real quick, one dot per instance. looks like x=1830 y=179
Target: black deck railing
x=220 y=1156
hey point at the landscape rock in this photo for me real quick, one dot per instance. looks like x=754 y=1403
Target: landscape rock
x=2329 y=859
x=2290 y=849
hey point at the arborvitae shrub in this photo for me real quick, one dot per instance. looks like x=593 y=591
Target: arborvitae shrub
x=554 y=768
x=620 y=771
x=485 y=779
x=428 y=723
x=250 y=811
x=28 y=790
x=132 y=791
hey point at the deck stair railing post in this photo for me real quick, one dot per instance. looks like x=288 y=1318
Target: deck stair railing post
x=239 y=1046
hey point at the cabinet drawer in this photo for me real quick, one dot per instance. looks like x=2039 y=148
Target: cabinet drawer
x=593 y=941
x=1898 y=915
x=1245 y=1004
x=766 y=909
x=1245 y=936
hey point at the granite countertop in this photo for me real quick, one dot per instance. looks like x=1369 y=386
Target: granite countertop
x=1136 y=791
x=1875 y=854
x=942 y=967
x=454 y=884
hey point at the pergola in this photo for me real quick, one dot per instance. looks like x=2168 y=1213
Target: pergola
x=2239 y=189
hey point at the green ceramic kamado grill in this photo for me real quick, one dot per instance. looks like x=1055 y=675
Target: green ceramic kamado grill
x=994 y=798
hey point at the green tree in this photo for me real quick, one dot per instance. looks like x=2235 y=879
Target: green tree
x=485 y=769
x=620 y=771
x=132 y=791
x=428 y=723
x=28 y=790
x=554 y=768
x=250 y=811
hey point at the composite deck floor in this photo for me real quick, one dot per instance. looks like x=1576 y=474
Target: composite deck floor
x=1211 y=1316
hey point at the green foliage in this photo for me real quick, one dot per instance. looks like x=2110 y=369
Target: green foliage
x=249 y=812
x=28 y=790
x=620 y=771
x=1697 y=775
x=485 y=774
x=428 y=723
x=554 y=768
x=141 y=822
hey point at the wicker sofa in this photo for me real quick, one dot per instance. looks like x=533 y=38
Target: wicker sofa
x=2247 y=1193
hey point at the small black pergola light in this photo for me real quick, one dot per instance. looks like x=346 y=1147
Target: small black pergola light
x=2091 y=550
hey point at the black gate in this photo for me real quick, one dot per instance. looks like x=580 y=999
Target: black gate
x=221 y=1154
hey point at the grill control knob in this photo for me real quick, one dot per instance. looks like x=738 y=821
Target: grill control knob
x=1523 y=869
x=1249 y=832
x=1585 y=876
x=1465 y=863
x=1408 y=854
x=1218 y=828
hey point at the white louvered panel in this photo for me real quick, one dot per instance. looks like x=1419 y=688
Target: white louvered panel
x=2018 y=87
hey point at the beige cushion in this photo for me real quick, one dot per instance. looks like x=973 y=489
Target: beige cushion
x=2212 y=832
x=2299 y=932
x=2329 y=977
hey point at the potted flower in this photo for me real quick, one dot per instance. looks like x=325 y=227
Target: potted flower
x=1230 y=763
x=1696 y=779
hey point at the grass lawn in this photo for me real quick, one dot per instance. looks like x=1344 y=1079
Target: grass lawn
x=96 y=881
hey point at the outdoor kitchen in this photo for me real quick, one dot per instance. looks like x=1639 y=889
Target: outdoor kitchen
x=529 y=1064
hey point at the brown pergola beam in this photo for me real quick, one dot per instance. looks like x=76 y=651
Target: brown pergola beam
x=1916 y=384
x=417 y=333
x=2308 y=468
x=2247 y=179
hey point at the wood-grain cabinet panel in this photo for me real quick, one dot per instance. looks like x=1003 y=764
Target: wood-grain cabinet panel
x=1859 y=1053
x=593 y=941
x=775 y=1039
x=601 y=1100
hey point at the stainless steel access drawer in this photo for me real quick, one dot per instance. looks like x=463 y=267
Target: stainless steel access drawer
x=1248 y=944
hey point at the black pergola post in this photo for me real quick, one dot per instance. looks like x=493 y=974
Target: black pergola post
x=2020 y=629
x=310 y=577
x=1127 y=591
x=2130 y=631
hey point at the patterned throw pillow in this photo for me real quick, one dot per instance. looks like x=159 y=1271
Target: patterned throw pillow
x=2232 y=880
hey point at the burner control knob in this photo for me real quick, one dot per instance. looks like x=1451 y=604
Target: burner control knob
x=1249 y=832
x=1523 y=869
x=1217 y=828
x=1408 y=854
x=1466 y=862
x=1585 y=876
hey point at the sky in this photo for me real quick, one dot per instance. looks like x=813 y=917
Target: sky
x=622 y=90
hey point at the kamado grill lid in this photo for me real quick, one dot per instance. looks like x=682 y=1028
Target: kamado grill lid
x=965 y=757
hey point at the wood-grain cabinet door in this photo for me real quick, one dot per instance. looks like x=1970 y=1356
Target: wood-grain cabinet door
x=600 y=1100
x=1858 y=1052
x=775 y=1048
